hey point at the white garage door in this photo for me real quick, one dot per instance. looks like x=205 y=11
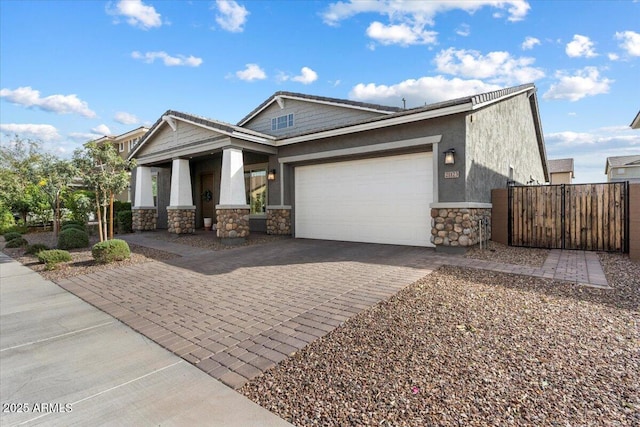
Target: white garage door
x=380 y=200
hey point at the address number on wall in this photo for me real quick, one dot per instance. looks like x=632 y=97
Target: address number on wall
x=452 y=174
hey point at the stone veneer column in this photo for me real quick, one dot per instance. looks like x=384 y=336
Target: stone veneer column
x=459 y=227
x=279 y=220
x=232 y=213
x=181 y=213
x=144 y=215
x=144 y=218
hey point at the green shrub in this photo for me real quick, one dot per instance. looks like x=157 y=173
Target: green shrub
x=18 y=242
x=72 y=222
x=6 y=220
x=36 y=248
x=51 y=258
x=10 y=235
x=80 y=204
x=124 y=221
x=72 y=238
x=110 y=251
x=74 y=226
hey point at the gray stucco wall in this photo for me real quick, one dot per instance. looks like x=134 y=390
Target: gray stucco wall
x=498 y=136
x=307 y=116
x=452 y=129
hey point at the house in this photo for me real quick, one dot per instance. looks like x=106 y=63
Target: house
x=124 y=143
x=561 y=171
x=335 y=169
x=623 y=168
x=635 y=124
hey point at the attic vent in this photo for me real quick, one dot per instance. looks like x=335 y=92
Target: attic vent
x=282 y=122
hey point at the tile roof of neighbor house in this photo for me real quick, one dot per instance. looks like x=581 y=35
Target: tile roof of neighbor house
x=620 y=161
x=635 y=124
x=393 y=115
x=561 y=165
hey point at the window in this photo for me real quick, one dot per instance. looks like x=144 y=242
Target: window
x=131 y=142
x=121 y=147
x=282 y=122
x=255 y=183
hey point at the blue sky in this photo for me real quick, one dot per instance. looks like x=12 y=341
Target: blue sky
x=71 y=71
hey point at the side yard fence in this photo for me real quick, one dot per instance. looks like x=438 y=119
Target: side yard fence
x=598 y=217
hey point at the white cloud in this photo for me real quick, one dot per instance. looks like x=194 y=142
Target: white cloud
x=84 y=136
x=417 y=92
x=585 y=82
x=168 y=60
x=251 y=73
x=61 y=104
x=45 y=133
x=401 y=34
x=137 y=13
x=463 y=30
x=307 y=76
x=581 y=46
x=529 y=43
x=102 y=130
x=499 y=67
x=419 y=11
x=408 y=19
x=125 y=118
x=630 y=42
x=232 y=16
x=613 y=56
x=591 y=148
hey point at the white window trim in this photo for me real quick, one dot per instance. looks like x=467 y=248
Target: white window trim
x=258 y=166
x=121 y=147
x=289 y=122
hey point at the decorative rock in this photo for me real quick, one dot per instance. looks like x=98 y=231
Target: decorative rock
x=181 y=221
x=279 y=221
x=459 y=226
x=232 y=223
x=143 y=219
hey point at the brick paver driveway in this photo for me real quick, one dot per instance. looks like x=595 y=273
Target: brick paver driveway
x=236 y=313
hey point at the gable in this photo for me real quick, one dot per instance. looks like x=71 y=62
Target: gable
x=308 y=116
x=165 y=139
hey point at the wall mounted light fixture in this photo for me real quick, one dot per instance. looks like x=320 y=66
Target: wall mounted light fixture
x=449 y=156
x=271 y=175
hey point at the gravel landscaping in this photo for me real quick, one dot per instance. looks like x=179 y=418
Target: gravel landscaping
x=82 y=260
x=471 y=347
x=509 y=254
x=209 y=240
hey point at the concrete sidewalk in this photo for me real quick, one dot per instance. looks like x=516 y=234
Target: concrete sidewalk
x=64 y=362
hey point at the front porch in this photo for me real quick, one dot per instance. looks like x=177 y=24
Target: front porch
x=188 y=172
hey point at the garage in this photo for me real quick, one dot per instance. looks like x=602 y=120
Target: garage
x=376 y=200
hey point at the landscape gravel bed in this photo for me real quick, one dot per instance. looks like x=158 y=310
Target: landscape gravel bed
x=209 y=240
x=498 y=252
x=82 y=260
x=470 y=347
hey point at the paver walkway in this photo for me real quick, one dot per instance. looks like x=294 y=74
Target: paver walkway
x=236 y=313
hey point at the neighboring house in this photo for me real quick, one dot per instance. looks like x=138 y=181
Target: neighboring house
x=124 y=143
x=335 y=169
x=623 y=168
x=635 y=124
x=561 y=171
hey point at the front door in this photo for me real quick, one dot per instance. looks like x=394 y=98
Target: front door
x=208 y=203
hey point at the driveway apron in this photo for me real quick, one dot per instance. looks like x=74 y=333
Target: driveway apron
x=238 y=312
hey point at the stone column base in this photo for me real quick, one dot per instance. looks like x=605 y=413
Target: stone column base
x=144 y=218
x=181 y=219
x=233 y=221
x=459 y=227
x=279 y=220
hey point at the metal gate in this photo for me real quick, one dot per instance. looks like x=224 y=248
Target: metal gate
x=590 y=217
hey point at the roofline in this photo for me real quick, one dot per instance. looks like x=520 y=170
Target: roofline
x=337 y=102
x=232 y=131
x=457 y=106
x=635 y=124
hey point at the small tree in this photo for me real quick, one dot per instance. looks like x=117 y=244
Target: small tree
x=107 y=174
x=56 y=175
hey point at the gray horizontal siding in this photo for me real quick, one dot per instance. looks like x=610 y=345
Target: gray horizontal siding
x=308 y=116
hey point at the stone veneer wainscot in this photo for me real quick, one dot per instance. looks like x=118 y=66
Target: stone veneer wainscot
x=144 y=219
x=232 y=223
x=181 y=219
x=459 y=226
x=279 y=220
